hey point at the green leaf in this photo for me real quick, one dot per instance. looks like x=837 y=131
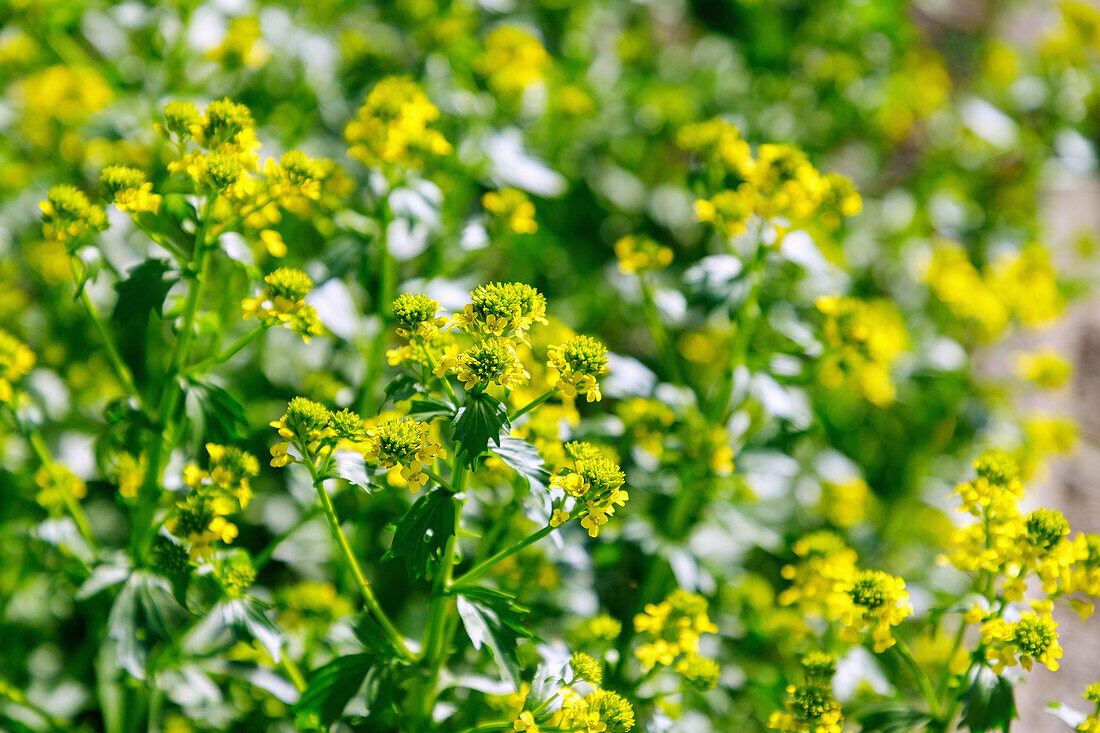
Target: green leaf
x=140 y=295
x=893 y=720
x=401 y=388
x=137 y=621
x=351 y=467
x=524 y=458
x=427 y=410
x=480 y=420
x=989 y=703
x=495 y=626
x=330 y=688
x=215 y=415
x=422 y=532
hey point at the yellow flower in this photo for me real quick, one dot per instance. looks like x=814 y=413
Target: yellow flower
x=872 y=601
x=502 y=309
x=403 y=442
x=67 y=215
x=129 y=189
x=513 y=60
x=595 y=482
x=825 y=562
x=1047 y=368
x=57 y=486
x=415 y=315
x=393 y=126
x=525 y=722
x=512 y=208
x=672 y=628
x=717 y=145
x=200 y=521
x=16 y=362
x=641 y=254
x=863 y=339
x=283 y=302
x=727 y=211
x=1033 y=638
x=576 y=365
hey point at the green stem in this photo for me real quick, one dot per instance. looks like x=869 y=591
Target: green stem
x=38 y=444
x=231 y=351
x=439 y=480
x=481 y=568
x=486 y=727
x=352 y=564
x=659 y=334
x=533 y=403
x=293 y=672
x=117 y=364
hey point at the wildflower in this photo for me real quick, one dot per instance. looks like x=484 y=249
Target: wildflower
x=1046 y=548
x=586 y=668
x=181 y=119
x=596 y=482
x=671 y=628
x=492 y=361
x=513 y=60
x=825 y=561
x=819 y=667
x=273 y=242
x=641 y=254
x=1046 y=369
x=227 y=126
x=236 y=574
x=1028 y=286
x=525 y=722
x=57 y=486
x=295 y=175
x=16 y=362
x=200 y=522
x=218 y=173
x=811 y=708
x=717 y=145
x=1091 y=724
x=230 y=472
x=308 y=424
x=600 y=629
x=283 y=302
x=786 y=184
x=403 y=442
x=727 y=211
x=349 y=427
x=699 y=672
x=502 y=309
x=415 y=315
x=243 y=44
x=863 y=339
x=602 y=711
x=67 y=214
x=873 y=601
x=1033 y=638
x=513 y=209
x=393 y=126
x=847 y=503
x=577 y=364
x=955 y=281
x=129 y=189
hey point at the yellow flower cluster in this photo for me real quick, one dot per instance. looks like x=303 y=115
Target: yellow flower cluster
x=512 y=209
x=600 y=711
x=16 y=362
x=492 y=361
x=226 y=136
x=1011 y=546
x=513 y=60
x=847 y=503
x=57 y=486
x=1034 y=638
x=393 y=127
x=283 y=302
x=294 y=177
x=811 y=707
x=1018 y=286
x=862 y=341
x=1046 y=369
x=129 y=189
x=641 y=254
x=502 y=309
x=230 y=472
x=670 y=631
x=201 y=519
x=595 y=482
x=311 y=604
x=1091 y=724
x=308 y=425
x=779 y=182
x=68 y=215
x=577 y=364
x=406 y=443
x=873 y=601
x=825 y=562
x=414 y=315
